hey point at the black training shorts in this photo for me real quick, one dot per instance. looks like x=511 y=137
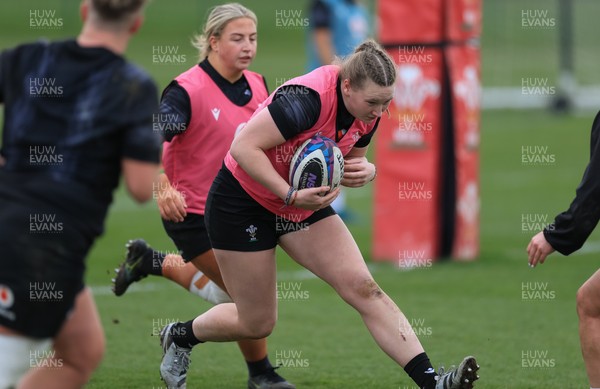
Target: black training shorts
x=236 y=222
x=42 y=265
x=190 y=235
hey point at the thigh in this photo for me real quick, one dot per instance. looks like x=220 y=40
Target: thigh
x=327 y=249
x=250 y=278
x=80 y=340
x=207 y=264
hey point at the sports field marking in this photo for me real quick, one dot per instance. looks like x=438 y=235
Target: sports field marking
x=295 y=275
x=105 y=290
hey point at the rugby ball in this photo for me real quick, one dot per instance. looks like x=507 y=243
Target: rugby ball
x=317 y=162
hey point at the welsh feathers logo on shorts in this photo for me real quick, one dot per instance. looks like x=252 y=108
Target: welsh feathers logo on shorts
x=6 y=297
x=252 y=231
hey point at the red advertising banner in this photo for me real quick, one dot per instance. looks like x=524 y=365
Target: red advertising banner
x=406 y=213
x=429 y=41
x=410 y=21
x=464 y=66
x=463 y=20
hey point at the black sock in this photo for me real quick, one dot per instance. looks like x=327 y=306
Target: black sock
x=153 y=262
x=183 y=335
x=259 y=367
x=420 y=370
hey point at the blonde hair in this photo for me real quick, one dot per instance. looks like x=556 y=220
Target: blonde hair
x=216 y=21
x=369 y=61
x=116 y=11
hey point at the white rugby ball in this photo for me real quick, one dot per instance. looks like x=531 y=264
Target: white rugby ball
x=317 y=162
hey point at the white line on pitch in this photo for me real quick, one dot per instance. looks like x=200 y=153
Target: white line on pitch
x=105 y=290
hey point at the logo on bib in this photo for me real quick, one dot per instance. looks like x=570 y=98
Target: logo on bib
x=216 y=112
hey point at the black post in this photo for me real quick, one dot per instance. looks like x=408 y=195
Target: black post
x=563 y=101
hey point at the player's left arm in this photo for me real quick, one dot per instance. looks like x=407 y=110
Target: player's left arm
x=358 y=171
x=139 y=178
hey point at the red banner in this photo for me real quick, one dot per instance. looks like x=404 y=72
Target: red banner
x=464 y=65
x=407 y=188
x=424 y=37
x=464 y=20
x=410 y=21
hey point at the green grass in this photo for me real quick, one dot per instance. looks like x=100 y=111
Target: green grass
x=465 y=308
x=511 y=52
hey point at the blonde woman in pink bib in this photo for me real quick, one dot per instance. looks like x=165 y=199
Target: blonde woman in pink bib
x=200 y=112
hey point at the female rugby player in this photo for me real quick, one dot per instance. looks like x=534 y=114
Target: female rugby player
x=251 y=195
x=202 y=110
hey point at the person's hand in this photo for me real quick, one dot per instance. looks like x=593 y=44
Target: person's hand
x=2 y=161
x=357 y=172
x=313 y=199
x=171 y=202
x=538 y=249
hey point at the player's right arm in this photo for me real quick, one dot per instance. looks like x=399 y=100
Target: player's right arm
x=171 y=202
x=175 y=112
x=538 y=249
x=571 y=228
x=288 y=114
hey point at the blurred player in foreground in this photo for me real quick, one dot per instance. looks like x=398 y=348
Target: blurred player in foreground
x=76 y=115
x=250 y=199
x=566 y=235
x=202 y=110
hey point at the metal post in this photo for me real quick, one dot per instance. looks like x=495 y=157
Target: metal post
x=567 y=84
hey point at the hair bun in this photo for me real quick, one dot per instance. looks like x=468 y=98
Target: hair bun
x=369 y=61
x=368 y=45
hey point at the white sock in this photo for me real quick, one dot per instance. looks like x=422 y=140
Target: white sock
x=208 y=290
x=16 y=353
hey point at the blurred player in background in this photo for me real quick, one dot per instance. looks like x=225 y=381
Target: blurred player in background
x=566 y=235
x=250 y=198
x=336 y=28
x=76 y=115
x=203 y=108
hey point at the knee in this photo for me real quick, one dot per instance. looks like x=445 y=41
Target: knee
x=586 y=306
x=363 y=290
x=260 y=328
x=261 y=332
